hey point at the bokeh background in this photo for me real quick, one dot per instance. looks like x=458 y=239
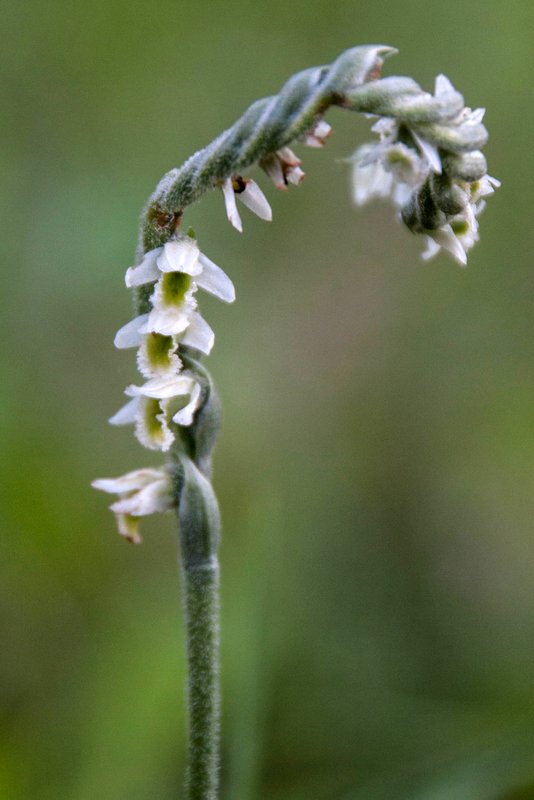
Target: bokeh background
x=375 y=469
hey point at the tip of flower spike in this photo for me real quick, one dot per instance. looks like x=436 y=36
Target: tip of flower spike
x=379 y=53
x=385 y=51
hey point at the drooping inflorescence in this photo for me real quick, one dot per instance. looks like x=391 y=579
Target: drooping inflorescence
x=434 y=174
x=427 y=161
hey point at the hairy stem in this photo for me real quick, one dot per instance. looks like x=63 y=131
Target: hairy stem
x=201 y=599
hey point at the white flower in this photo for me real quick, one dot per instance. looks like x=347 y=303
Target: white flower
x=151 y=419
x=155 y=404
x=179 y=269
x=386 y=170
x=388 y=130
x=250 y=195
x=283 y=167
x=157 y=352
x=317 y=135
x=141 y=492
x=183 y=269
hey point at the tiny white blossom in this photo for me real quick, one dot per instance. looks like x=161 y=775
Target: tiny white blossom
x=162 y=399
x=157 y=352
x=141 y=492
x=317 y=135
x=151 y=419
x=182 y=268
x=283 y=167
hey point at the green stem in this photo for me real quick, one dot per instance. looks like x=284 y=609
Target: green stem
x=201 y=600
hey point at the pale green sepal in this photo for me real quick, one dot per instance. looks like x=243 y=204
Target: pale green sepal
x=198 y=515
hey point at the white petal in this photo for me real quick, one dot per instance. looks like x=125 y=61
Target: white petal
x=254 y=199
x=154 y=497
x=287 y=156
x=322 y=129
x=213 y=280
x=185 y=415
x=180 y=255
x=127 y=414
x=145 y=272
x=168 y=320
x=295 y=175
x=231 y=207
x=161 y=388
x=317 y=135
x=443 y=86
x=446 y=238
x=130 y=334
x=198 y=334
x=477 y=115
x=273 y=168
x=432 y=249
x=312 y=141
x=430 y=152
x=130 y=482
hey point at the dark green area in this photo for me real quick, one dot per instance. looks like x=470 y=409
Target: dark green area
x=375 y=468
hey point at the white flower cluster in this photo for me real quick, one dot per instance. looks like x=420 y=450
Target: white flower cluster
x=170 y=395
x=402 y=161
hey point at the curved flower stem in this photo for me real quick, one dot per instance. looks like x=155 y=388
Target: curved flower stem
x=201 y=600
x=433 y=132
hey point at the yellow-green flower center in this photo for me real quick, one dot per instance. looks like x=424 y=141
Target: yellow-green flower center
x=174 y=286
x=159 y=349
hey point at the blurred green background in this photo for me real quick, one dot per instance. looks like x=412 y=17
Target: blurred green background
x=375 y=469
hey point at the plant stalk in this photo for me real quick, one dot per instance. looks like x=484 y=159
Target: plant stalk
x=201 y=602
